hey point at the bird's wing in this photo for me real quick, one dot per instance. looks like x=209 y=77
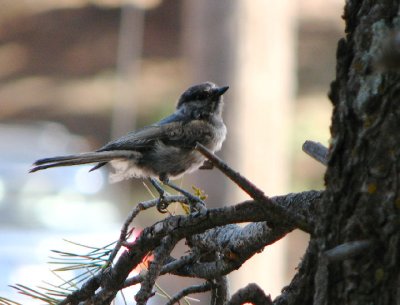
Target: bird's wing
x=144 y=138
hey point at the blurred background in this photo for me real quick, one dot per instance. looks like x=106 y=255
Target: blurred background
x=76 y=73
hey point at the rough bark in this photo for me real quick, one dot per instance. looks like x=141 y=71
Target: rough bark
x=362 y=200
x=360 y=208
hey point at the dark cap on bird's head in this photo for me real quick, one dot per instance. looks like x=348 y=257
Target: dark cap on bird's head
x=207 y=91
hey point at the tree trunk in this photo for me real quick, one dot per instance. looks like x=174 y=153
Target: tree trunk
x=361 y=201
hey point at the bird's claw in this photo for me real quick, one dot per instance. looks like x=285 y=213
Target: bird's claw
x=162 y=205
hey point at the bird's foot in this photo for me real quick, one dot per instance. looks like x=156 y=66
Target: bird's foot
x=195 y=202
x=162 y=205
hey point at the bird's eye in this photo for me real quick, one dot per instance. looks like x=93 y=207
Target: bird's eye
x=196 y=115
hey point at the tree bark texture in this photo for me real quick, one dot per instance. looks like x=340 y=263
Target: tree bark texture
x=361 y=204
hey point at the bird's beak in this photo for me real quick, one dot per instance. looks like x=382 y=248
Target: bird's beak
x=221 y=90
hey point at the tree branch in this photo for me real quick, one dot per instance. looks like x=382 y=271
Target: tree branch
x=254 y=191
x=220 y=291
x=347 y=250
x=177 y=227
x=140 y=207
x=169 y=267
x=317 y=151
x=237 y=244
x=189 y=290
x=160 y=255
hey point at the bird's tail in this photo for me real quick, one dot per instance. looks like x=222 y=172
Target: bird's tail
x=85 y=158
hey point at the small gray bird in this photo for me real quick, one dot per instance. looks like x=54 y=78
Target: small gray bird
x=165 y=149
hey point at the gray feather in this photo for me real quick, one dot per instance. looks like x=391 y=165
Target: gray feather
x=84 y=158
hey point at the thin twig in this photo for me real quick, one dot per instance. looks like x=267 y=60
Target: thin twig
x=178 y=263
x=189 y=290
x=347 y=250
x=316 y=151
x=235 y=176
x=257 y=194
x=140 y=207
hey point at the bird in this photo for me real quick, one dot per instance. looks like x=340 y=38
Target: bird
x=165 y=149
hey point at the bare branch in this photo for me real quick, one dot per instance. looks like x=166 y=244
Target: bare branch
x=160 y=255
x=169 y=267
x=235 y=176
x=254 y=192
x=237 y=244
x=347 y=250
x=189 y=290
x=265 y=229
x=243 y=244
x=316 y=151
x=84 y=293
x=140 y=207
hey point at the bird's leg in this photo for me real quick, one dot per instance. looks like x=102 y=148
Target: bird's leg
x=157 y=186
x=192 y=198
x=161 y=204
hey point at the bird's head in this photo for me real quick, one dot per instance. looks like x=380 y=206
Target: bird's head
x=202 y=100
